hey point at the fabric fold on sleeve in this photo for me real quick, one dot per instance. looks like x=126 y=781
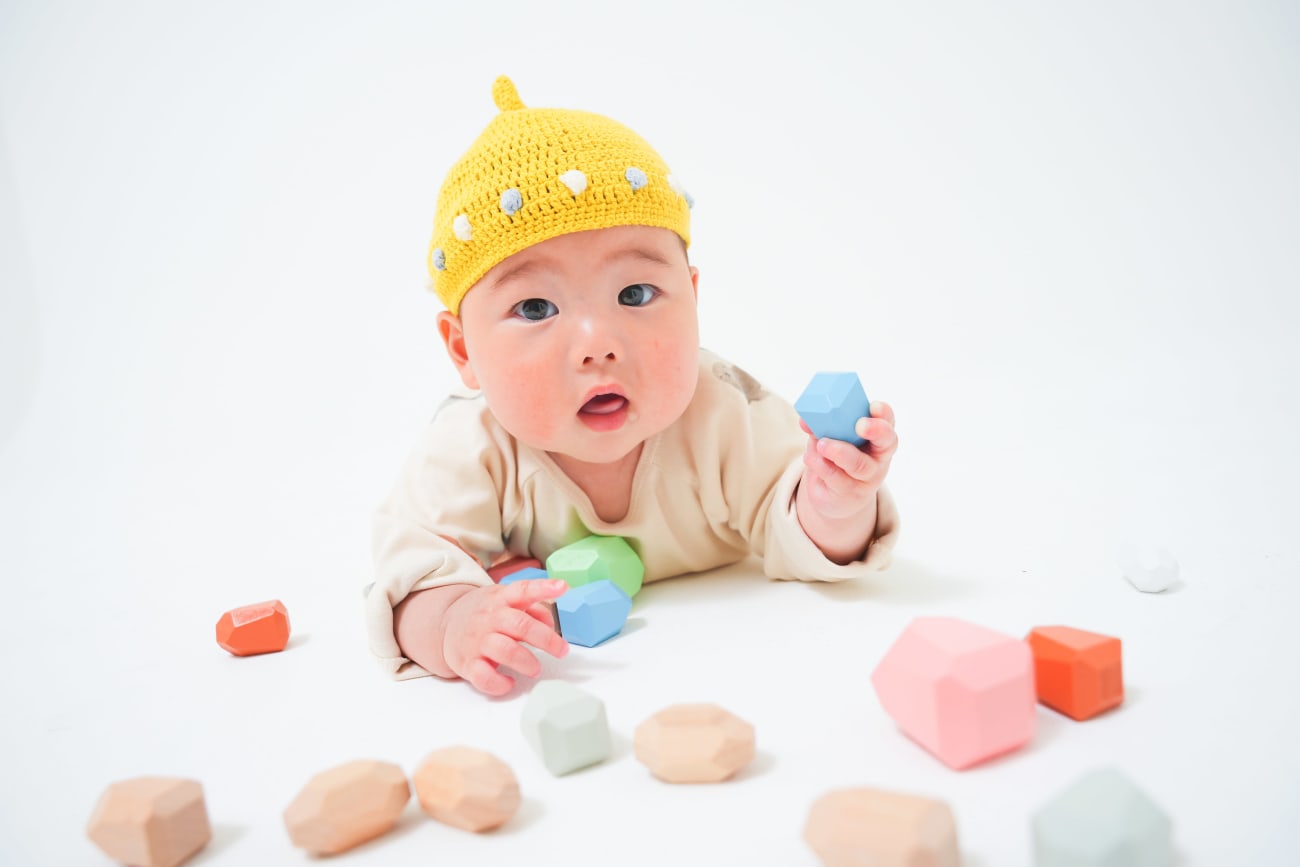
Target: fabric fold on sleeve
x=440 y=525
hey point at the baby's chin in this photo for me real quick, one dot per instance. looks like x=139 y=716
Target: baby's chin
x=600 y=455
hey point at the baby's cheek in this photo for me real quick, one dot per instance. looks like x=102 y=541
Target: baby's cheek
x=531 y=405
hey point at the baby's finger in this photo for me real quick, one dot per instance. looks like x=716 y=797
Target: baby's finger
x=483 y=676
x=506 y=651
x=880 y=409
x=838 y=482
x=878 y=432
x=516 y=624
x=816 y=465
x=523 y=594
x=542 y=614
x=846 y=457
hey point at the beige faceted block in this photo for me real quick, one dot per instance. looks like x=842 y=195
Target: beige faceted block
x=694 y=743
x=854 y=827
x=151 y=821
x=467 y=788
x=346 y=806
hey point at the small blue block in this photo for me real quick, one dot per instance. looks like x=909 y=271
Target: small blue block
x=832 y=404
x=593 y=613
x=532 y=573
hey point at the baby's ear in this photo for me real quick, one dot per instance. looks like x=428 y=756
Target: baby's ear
x=453 y=339
x=695 y=281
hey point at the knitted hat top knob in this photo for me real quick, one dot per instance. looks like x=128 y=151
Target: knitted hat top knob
x=505 y=95
x=537 y=173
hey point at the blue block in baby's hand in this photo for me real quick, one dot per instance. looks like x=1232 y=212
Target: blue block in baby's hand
x=532 y=573
x=593 y=613
x=832 y=404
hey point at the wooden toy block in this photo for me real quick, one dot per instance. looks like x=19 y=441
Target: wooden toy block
x=1150 y=570
x=565 y=726
x=346 y=806
x=597 y=558
x=592 y=613
x=831 y=405
x=151 y=821
x=1102 y=820
x=529 y=574
x=854 y=827
x=694 y=743
x=1077 y=673
x=254 y=629
x=467 y=788
x=963 y=692
x=508 y=567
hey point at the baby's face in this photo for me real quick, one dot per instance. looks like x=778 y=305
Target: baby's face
x=584 y=345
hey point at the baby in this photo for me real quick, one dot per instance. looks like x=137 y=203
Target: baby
x=559 y=250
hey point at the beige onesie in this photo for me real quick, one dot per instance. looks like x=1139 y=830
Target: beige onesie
x=713 y=488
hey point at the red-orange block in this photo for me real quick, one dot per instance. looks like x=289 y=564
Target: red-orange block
x=1077 y=673
x=510 y=567
x=254 y=629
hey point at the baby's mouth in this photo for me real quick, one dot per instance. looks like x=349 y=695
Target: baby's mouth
x=604 y=404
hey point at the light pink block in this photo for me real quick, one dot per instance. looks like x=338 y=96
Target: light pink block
x=964 y=692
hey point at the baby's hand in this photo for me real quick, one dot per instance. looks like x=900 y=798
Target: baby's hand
x=841 y=480
x=489 y=626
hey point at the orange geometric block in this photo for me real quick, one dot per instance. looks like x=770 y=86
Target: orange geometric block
x=467 y=788
x=151 y=821
x=694 y=743
x=346 y=806
x=253 y=629
x=853 y=827
x=1077 y=673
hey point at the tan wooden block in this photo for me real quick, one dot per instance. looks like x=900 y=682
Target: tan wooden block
x=467 y=788
x=694 y=743
x=151 y=821
x=346 y=806
x=850 y=827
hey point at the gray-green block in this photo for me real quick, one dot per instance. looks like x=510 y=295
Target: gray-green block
x=566 y=726
x=1102 y=820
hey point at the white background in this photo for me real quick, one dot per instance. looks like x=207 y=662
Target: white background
x=1062 y=239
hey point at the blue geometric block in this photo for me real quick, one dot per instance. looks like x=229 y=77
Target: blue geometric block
x=532 y=573
x=593 y=613
x=832 y=404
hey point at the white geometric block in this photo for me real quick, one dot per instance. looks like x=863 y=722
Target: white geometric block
x=1148 y=569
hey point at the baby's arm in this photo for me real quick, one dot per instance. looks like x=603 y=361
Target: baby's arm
x=467 y=630
x=836 y=498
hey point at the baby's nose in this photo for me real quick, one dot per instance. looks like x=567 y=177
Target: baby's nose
x=597 y=341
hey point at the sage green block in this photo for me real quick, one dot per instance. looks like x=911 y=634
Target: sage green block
x=598 y=558
x=1102 y=820
x=565 y=726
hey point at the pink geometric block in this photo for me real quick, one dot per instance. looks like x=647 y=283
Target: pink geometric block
x=963 y=692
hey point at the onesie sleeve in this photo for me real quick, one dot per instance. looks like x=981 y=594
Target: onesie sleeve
x=762 y=444
x=791 y=554
x=446 y=502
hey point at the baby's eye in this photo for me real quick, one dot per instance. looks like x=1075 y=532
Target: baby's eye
x=637 y=295
x=534 y=309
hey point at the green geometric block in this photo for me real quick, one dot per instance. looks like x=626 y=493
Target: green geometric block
x=566 y=726
x=598 y=558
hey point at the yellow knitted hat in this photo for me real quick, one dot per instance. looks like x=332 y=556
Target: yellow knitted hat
x=536 y=173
